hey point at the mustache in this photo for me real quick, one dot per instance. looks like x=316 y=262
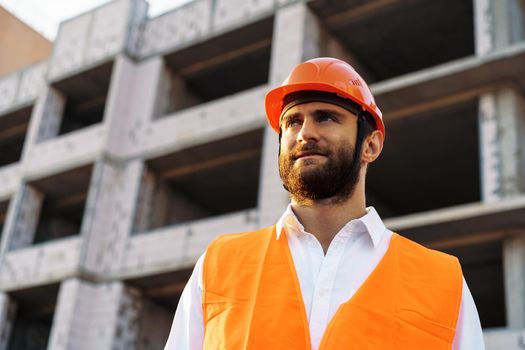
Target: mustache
x=309 y=149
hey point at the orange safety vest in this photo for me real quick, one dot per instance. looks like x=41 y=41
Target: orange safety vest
x=252 y=299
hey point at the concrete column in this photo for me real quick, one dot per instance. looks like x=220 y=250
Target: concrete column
x=45 y=118
x=296 y=38
x=131 y=104
x=498 y=24
x=514 y=270
x=109 y=214
x=7 y=317
x=106 y=316
x=144 y=215
x=502 y=142
x=85 y=315
x=22 y=219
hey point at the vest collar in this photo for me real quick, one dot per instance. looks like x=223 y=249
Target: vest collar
x=369 y=223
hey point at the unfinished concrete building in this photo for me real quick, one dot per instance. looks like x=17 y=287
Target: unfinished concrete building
x=140 y=139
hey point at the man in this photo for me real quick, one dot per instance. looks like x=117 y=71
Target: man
x=329 y=274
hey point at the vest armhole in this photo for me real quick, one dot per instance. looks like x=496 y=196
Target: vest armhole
x=205 y=269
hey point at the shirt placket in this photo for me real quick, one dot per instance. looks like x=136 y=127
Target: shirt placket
x=324 y=283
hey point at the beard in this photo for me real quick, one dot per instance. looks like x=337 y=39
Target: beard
x=335 y=178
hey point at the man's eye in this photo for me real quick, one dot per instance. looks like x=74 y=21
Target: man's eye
x=293 y=122
x=325 y=117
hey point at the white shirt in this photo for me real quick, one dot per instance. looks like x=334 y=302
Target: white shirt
x=326 y=281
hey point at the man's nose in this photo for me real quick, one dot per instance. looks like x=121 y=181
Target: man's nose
x=308 y=132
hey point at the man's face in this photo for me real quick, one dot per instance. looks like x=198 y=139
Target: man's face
x=316 y=152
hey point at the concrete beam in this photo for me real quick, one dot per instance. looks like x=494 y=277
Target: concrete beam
x=40 y=264
x=502 y=140
x=22 y=87
x=204 y=123
x=229 y=13
x=66 y=152
x=450 y=83
x=504 y=339
x=462 y=220
x=96 y=36
x=179 y=246
x=184 y=24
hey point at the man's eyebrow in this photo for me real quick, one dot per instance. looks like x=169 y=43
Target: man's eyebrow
x=316 y=113
x=330 y=111
x=289 y=116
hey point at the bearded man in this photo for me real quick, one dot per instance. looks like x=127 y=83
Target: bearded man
x=329 y=274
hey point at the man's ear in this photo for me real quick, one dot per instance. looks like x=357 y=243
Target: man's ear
x=372 y=146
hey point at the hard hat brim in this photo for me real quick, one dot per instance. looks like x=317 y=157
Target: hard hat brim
x=274 y=102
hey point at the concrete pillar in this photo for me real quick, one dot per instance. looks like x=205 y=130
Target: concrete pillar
x=85 y=315
x=502 y=142
x=106 y=316
x=498 y=24
x=131 y=104
x=7 y=317
x=22 y=219
x=109 y=213
x=144 y=215
x=514 y=270
x=296 y=38
x=45 y=118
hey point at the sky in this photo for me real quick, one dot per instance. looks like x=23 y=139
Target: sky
x=45 y=16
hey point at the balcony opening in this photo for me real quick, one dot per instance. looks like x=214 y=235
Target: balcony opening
x=85 y=94
x=202 y=181
x=430 y=161
x=160 y=295
x=64 y=200
x=220 y=66
x=392 y=38
x=35 y=308
x=481 y=263
x=13 y=129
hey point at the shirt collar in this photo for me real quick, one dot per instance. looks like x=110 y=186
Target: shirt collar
x=370 y=223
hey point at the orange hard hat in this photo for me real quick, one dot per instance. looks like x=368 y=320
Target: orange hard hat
x=324 y=74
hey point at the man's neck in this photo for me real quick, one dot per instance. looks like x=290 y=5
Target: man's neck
x=325 y=218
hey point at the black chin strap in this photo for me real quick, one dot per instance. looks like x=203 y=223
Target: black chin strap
x=361 y=120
